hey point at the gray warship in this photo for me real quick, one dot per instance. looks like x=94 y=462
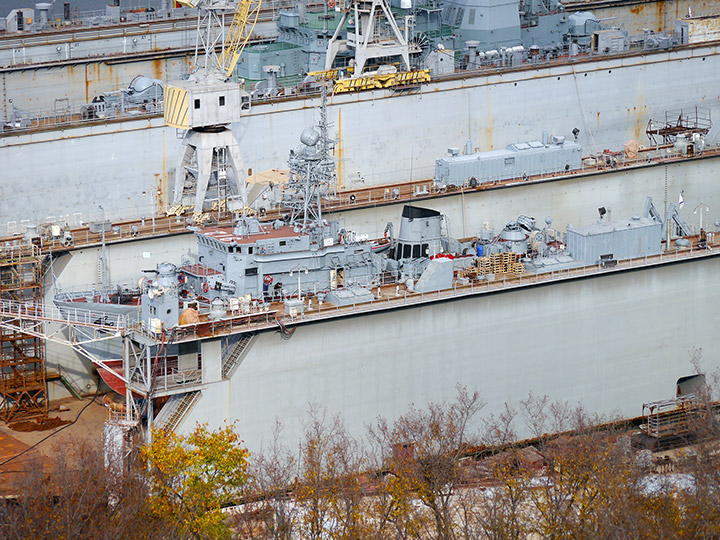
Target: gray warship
x=254 y=263
x=210 y=320
x=516 y=338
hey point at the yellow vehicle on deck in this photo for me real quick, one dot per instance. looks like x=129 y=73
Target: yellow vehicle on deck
x=385 y=80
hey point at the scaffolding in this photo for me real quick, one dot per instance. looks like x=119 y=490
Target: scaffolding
x=677 y=122
x=22 y=366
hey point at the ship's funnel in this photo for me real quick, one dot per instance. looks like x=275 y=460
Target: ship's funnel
x=43 y=9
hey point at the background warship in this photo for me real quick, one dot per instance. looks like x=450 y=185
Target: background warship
x=132 y=159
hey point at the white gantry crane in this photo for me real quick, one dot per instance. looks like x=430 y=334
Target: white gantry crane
x=210 y=167
x=376 y=34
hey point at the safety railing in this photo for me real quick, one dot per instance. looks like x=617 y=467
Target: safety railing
x=30 y=311
x=142 y=222
x=504 y=283
x=315 y=311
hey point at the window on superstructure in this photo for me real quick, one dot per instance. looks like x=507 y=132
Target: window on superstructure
x=459 y=16
x=283 y=242
x=407 y=248
x=426 y=250
x=471 y=17
x=221 y=101
x=197 y=103
x=250 y=250
x=416 y=251
x=251 y=271
x=450 y=14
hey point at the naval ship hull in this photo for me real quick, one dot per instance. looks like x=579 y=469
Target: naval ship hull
x=608 y=343
x=606 y=339
x=574 y=201
x=382 y=137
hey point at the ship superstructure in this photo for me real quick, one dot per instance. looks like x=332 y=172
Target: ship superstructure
x=222 y=341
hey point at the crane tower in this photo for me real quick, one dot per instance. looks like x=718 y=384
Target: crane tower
x=210 y=166
x=376 y=34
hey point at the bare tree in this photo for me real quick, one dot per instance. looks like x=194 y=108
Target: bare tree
x=423 y=448
x=330 y=491
x=76 y=498
x=270 y=511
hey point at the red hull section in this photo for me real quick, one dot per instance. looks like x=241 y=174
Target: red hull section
x=113 y=376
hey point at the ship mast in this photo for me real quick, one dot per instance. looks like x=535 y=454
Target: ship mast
x=312 y=174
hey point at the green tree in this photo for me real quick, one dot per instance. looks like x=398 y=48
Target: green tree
x=192 y=477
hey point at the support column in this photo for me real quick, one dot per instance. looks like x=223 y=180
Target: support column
x=211 y=351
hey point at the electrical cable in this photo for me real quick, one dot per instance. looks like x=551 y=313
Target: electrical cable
x=55 y=432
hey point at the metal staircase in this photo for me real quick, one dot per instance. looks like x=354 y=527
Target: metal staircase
x=174 y=410
x=235 y=352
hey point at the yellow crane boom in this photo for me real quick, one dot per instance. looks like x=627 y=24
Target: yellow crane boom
x=243 y=23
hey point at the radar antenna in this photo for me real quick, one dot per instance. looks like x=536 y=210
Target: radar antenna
x=312 y=173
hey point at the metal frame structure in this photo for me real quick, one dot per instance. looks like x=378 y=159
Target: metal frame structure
x=210 y=148
x=312 y=175
x=677 y=122
x=369 y=40
x=23 y=388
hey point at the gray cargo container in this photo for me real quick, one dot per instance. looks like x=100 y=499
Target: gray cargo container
x=615 y=240
x=515 y=161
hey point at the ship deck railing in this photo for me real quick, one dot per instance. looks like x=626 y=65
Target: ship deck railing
x=68 y=116
x=39 y=120
x=168 y=377
x=265 y=317
x=21 y=312
x=392 y=297
x=177 y=380
x=505 y=283
x=141 y=222
x=79 y=295
x=23 y=315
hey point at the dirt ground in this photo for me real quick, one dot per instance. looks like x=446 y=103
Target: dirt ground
x=87 y=429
